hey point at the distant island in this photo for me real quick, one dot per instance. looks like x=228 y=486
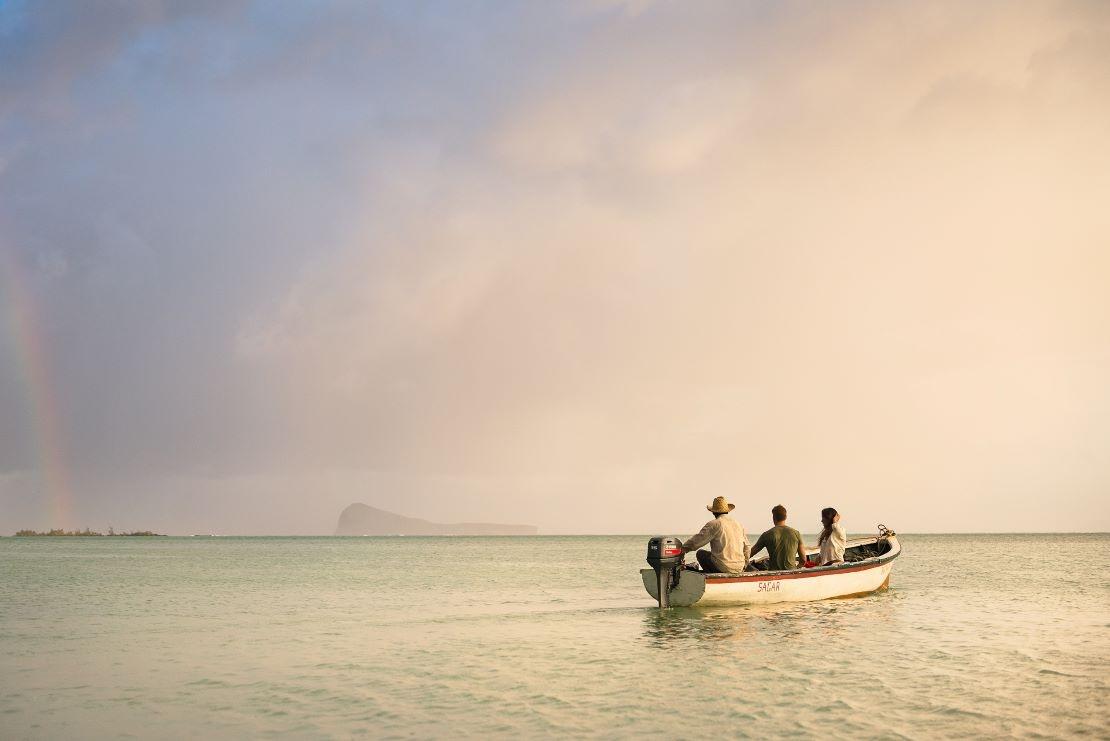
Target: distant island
x=361 y=519
x=86 y=533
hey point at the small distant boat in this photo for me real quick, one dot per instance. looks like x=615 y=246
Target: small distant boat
x=866 y=569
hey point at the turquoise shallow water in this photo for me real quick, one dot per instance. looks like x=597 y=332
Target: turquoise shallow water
x=549 y=636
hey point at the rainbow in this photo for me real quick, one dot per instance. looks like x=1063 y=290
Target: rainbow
x=34 y=368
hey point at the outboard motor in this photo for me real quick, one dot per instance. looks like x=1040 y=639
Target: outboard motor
x=665 y=556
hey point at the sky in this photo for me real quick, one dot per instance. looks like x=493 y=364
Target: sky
x=583 y=265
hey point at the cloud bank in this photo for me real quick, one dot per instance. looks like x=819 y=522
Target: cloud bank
x=589 y=264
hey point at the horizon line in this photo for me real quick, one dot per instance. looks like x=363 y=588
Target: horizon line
x=571 y=535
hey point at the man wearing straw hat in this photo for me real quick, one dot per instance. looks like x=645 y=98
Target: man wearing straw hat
x=729 y=550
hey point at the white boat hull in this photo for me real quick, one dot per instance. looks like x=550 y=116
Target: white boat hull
x=763 y=587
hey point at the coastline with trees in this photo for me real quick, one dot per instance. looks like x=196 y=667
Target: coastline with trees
x=86 y=533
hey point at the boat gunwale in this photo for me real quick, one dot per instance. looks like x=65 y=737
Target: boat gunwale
x=827 y=570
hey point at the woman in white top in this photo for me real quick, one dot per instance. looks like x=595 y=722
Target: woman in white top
x=832 y=539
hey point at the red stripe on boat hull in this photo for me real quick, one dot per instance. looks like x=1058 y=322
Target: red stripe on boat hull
x=757 y=576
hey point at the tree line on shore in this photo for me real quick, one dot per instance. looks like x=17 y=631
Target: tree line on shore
x=82 y=533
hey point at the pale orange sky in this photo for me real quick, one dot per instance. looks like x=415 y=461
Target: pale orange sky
x=584 y=266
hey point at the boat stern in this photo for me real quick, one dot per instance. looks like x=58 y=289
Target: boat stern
x=686 y=591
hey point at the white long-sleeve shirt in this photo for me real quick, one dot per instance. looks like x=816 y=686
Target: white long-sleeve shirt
x=833 y=548
x=727 y=541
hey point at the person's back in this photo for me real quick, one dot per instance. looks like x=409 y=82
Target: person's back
x=785 y=548
x=832 y=539
x=727 y=540
x=733 y=539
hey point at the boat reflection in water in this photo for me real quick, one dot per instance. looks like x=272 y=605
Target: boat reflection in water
x=678 y=628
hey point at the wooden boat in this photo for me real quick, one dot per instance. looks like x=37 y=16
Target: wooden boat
x=866 y=569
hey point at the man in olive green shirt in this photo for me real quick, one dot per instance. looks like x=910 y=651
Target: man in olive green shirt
x=785 y=549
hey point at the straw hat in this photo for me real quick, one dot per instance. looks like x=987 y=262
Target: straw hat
x=720 y=506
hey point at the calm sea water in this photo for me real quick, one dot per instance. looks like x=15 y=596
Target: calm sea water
x=552 y=636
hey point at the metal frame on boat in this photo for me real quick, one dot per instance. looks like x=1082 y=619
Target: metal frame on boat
x=850 y=579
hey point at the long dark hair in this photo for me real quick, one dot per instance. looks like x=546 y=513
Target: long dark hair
x=827 y=515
